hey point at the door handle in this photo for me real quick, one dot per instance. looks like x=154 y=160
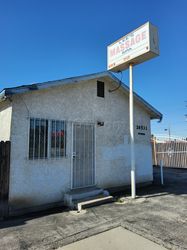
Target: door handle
x=74 y=155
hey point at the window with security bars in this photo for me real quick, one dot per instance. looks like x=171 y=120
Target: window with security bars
x=38 y=138
x=58 y=139
x=47 y=138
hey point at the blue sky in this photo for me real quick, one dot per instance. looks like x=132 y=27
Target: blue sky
x=47 y=40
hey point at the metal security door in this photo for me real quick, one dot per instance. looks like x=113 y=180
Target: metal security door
x=83 y=155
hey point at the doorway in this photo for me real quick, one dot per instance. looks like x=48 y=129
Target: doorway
x=83 y=174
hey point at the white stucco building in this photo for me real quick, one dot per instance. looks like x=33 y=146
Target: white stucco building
x=71 y=134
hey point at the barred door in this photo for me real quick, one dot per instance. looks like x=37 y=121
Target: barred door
x=83 y=155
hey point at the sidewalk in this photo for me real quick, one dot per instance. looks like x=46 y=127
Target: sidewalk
x=114 y=239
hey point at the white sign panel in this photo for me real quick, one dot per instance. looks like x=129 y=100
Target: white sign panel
x=136 y=47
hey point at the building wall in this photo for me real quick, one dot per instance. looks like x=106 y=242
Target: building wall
x=113 y=141
x=36 y=182
x=5 y=120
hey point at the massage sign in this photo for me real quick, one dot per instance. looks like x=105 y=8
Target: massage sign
x=136 y=47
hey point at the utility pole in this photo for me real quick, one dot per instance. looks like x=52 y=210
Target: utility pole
x=169 y=132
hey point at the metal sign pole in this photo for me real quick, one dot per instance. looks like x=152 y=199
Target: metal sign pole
x=131 y=116
x=161 y=172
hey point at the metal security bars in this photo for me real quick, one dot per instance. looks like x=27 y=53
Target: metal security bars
x=47 y=138
x=83 y=155
x=58 y=139
x=38 y=138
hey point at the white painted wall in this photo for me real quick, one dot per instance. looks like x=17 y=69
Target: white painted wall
x=5 y=120
x=36 y=182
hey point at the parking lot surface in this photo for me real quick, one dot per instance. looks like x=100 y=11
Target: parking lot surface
x=158 y=214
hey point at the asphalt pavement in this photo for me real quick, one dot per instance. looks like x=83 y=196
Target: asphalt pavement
x=159 y=214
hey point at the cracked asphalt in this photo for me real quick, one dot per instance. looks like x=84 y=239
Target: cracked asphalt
x=158 y=214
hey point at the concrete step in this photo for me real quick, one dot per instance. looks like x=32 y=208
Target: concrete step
x=73 y=197
x=84 y=193
x=94 y=202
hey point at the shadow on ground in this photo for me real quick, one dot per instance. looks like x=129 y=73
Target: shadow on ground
x=161 y=218
x=175 y=182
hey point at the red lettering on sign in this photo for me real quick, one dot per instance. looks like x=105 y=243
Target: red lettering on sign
x=112 y=52
x=117 y=50
x=127 y=44
x=143 y=35
x=122 y=46
x=138 y=38
x=132 y=41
